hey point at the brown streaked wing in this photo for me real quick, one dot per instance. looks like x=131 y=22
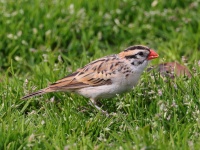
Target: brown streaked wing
x=95 y=73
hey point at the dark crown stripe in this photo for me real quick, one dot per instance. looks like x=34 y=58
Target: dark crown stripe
x=138 y=47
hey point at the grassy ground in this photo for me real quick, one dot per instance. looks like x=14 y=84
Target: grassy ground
x=42 y=41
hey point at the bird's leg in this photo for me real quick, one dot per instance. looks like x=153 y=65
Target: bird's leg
x=94 y=104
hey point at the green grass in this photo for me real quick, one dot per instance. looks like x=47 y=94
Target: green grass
x=42 y=41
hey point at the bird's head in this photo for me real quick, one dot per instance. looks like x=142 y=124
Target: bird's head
x=138 y=56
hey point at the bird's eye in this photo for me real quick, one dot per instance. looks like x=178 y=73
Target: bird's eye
x=141 y=53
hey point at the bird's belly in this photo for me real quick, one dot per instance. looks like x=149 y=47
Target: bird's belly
x=104 y=91
x=120 y=85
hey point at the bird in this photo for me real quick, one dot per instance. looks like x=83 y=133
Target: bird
x=105 y=77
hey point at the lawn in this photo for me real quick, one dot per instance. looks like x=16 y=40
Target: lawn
x=43 y=41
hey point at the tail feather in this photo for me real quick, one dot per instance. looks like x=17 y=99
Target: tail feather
x=40 y=92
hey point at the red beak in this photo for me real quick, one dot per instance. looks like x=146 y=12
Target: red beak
x=152 y=55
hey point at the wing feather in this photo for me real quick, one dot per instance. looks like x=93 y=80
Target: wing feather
x=96 y=73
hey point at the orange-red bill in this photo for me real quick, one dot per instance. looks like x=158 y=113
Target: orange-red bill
x=152 y=55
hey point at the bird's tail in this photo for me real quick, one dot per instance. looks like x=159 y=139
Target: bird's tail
x=40 y=92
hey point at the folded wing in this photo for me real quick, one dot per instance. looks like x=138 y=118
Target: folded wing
x=96 y=73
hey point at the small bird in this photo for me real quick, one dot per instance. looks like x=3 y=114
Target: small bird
x=105 y=77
